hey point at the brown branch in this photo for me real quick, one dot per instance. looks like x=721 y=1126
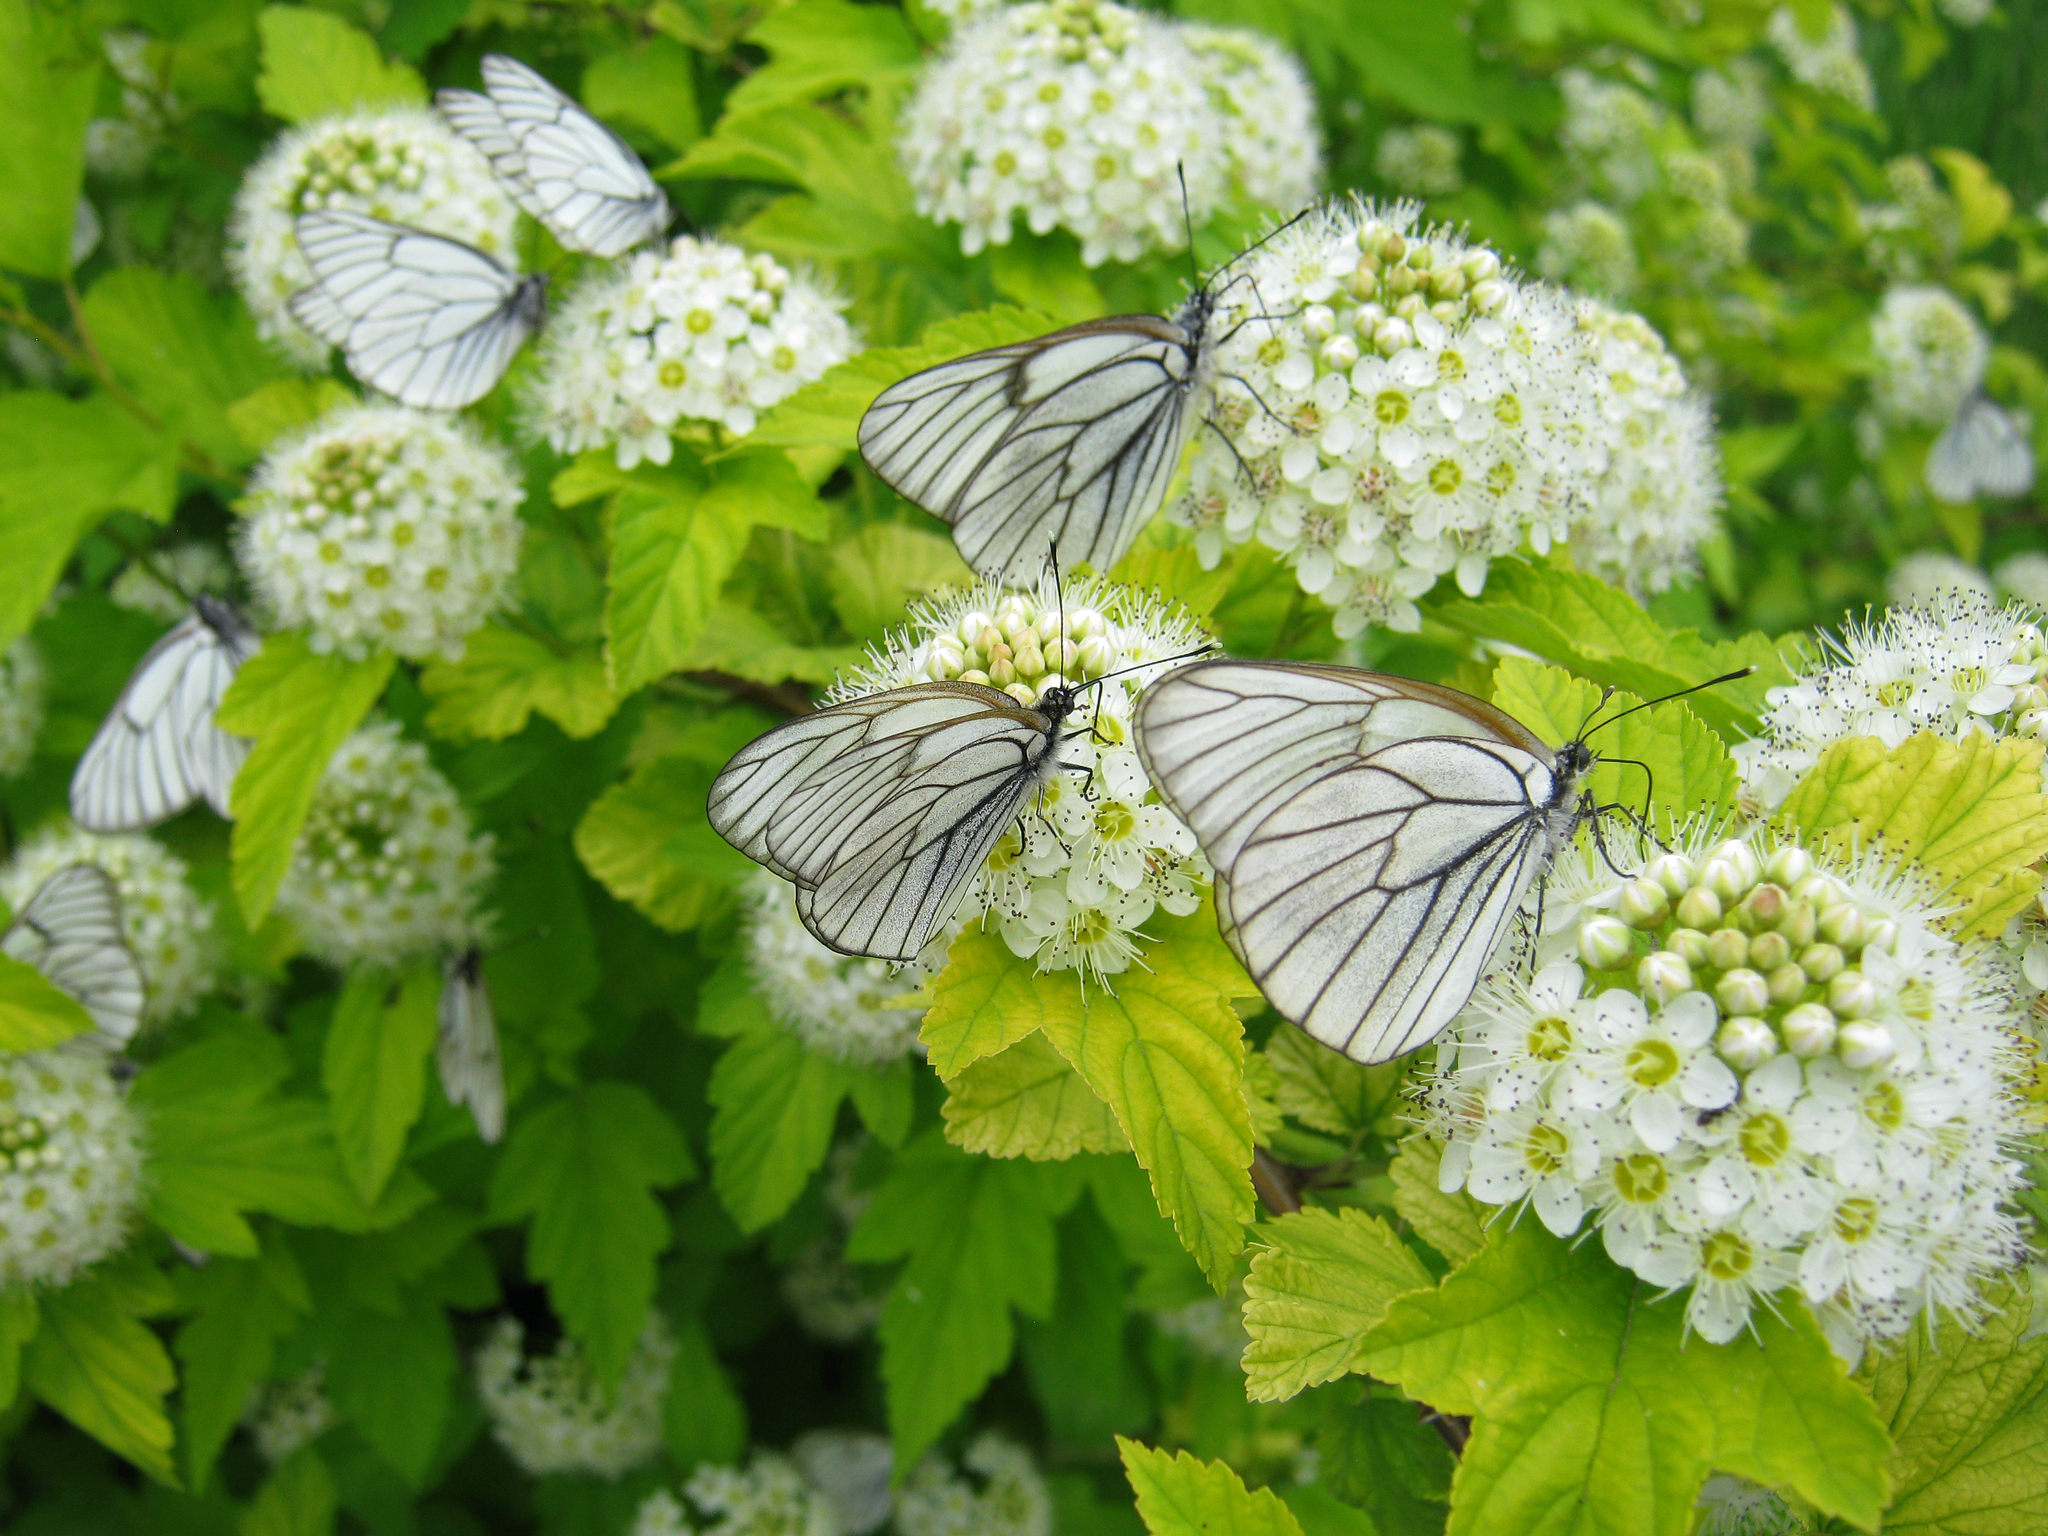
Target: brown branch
x=782 y=698
x=1274 y=1181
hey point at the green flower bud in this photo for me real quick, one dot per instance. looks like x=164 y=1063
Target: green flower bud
x=1738 y=852
x=1606 y=943
x=1727 y=949
x=1882 y=935
x=1788 y=866
x=1809 y=1030
x=1822 y=890
x=1787 y=983
x=1798 y=923
x=1821 y=962
x=1002 y=672
x=1662 y=975
x=1391 y=335
x=1481 y=265
x=1673 y=871
x=1864 y=1045
x=975 y=675
x=1742 y=991
x=1690 y=944
x=1843 y=924
x=1746 y=1042
x=1093 y=657
x=1489 y=296
x=1699 y=908
x=1768 y=951
x=1644 y=904
x=1724 y=877
x=1763 y=907
x=1023 y=693
x=1852 y=994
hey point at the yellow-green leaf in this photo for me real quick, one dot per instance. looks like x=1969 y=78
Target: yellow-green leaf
x=95 y=1362
x=297 y=1499
x=374 y=1067
x=1315 y=1290
x=262 y=416
x=1451 y=1224
x=505 y=675
x=1180 y=1496
x=1325 y=1089
x=315 y=63
x=650 y=842
x=48 y=82
x=1027 y=1101
x=35 y=1015
x=986 y=1000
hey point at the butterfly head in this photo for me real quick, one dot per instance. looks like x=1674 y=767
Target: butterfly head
x=530 y=303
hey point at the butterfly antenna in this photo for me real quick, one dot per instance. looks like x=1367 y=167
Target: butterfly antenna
x=1712 y=682
x=1164 y=661
x=147 y=561
x=1187 y=218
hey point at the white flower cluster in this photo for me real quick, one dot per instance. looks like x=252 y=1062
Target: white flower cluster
x=194 y=567
x=1609 y=134
x=1654 y=476
x=1732 y=105
x=551 y=1414
x=1930 y=353
x=21 y=705
x=1089 y=861
x=1419 y=160
x=833 y=1299
x=1919 y=220
x=1003 y=1495
x=285 y=1415
x=1954 y=664
x=2024 y=576
x=120 y=148
x=1927 y=574
x=1212 y=1326
x=1076 y=113
x=705 y=333
x=70 y=1166
x=386 y=867
x=769 y=1498
x=382 y=528
x=399 y=163
x=1418 y=411
x=168 y=925
x=1966 y=13
x=1830 y=62
x=1755 y=1067
x=1589 y=246
x=845 y=1006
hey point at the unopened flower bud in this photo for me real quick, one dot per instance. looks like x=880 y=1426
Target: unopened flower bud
x=1738 y=852
x=1882 y=935
x=1689 y=944
x=1798 y=923
x=1320 y=321
x=1768 y=951
x=1725 y=878
x=1673 y=871
x=1644 y=904
x=1338 y=353
x=1746 y=1042
x=1061 y=655
x=1852 y=994
x=975 y=675
x=1489 y=295
x=1002 y=672
x=1391 y=335
x=1742 y=991
x=1085 y=624
x=1788 y=866
x=1727 y=949
x=971 y=625
x=1808 y=1030
x=1843 y=924
x=1023 y=693
x=1762 y=907
x=1821 y=962
x=1864 y=1045
x=1093 y=657
x=1787 y=983
x=1820 y=889
x=1699 y=908
x=1662 y=976
x=1606 y=943
x=1481 y=265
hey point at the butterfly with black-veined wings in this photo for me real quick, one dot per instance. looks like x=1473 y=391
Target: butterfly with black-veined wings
x=472 y=1071
x=158 y=750
x=562 y=165
x=428 y=320
x=70 y=930
x=1983 y=451
x=1371 y=836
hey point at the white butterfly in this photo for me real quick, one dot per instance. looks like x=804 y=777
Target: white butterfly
x=428 y=320
x=880 y=810
x=562 y=165
x=472 y=1072
x=158 y=749
x=71 y=932
x=1983 y=451
x=1371 y=836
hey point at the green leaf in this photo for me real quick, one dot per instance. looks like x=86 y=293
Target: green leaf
x=19 y=1318
x=48 y=82
x=648 y=840
x=240 y=1309
x=1027 y=1101
x=1326 y=1090
x=1180 y=1496
x=979 y=1238
x=648 y=86
x=299 y=708
x=1971 y=813
x=1315 y=1290
x=374 y=1067
x=824 y=151
x=185 y=353
x=1083 y=1370
x=773 y=1108
x=1418 y=56
x=817 y=47
x=65 y=464
x=95 y=1362
x=392 y=1375
x=1449 y=1223
x=505 y=675
x=34 y=1014
x=1968 y=1413
x=265 y=414
x=827 y=412
x=881 y=570
x=985 y=1001
x=1377 y=1455
x=1690 y=769
x=742 y=642
x=297 y=1499
x=1589 y=1396
x=704 y=1420
x=315 y=63
x=585 y=1168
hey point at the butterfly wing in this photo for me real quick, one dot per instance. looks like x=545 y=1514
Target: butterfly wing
x=429 y=321
x=71 y=932
x=472 y=1072
x=158 y=750
x=1069 y=439
x=476 y=117
x=881 y=810
x=1372 y=837
x=1982 y=451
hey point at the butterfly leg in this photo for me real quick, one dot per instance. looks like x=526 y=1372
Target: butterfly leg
x=1290 y=426
x=1242 y=467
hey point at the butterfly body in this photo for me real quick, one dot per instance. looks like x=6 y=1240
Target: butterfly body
x=1372 y=837
x=466 y=1050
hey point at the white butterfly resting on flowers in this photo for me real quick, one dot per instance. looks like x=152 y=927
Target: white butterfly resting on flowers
x=70 y=930
x=561 y=164
x=429 y=321
x=1371 y=836
x=158 y=749
x=1983 y=451
x=472 y=1071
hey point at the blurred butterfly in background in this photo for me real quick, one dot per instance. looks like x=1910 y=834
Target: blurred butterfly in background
x=1371 y=836
x=562 y=165
x=70 y=930
x=1983 y=451
x=427 y=320
x=472 y=1071
x=158 y=749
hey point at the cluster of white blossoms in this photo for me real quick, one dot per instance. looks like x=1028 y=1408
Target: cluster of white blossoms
x=844 y=1006
x=551 y=1414
x=1732 y=105
x=70 y=1166
x=1609 y=134
x=1929 y=352
x=1954 y=664
x=834 y=1299
x=2024 y=576
x=1076 y=114
x=1002 y=1493
x=382 y=528
x=121 y=148
x=1753 y=1067
x=769 y=1497
x=193 y=566
x=284 y=1415
x=704 y=334
x=168 y=925
x=386 y=867
x=1830 y=62
x=1927 y=574
x=21 y=705
x=1419 y=160
x=1589 y=246
x=1088 y=861
x=1920 y=219
x=402 y=164
x=1417 y=411
x=1653 y=480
